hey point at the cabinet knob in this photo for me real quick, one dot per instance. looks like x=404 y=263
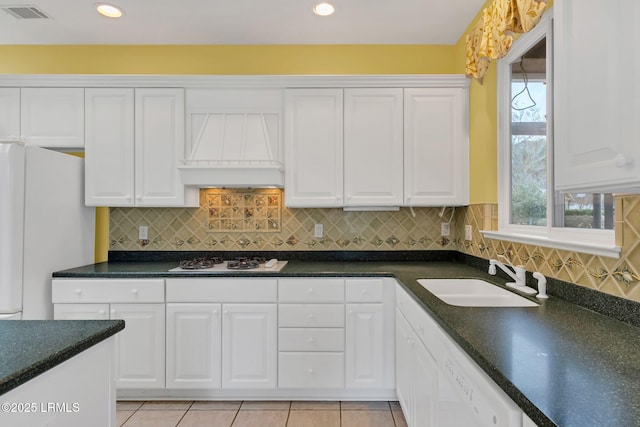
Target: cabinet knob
x=621 y=161
x=78 y=291
x=350 y=311
x=310 y=290
x=310 y=315
x=364 y=290
x=101 y=311
x=134 y=291
x=113 y=311
x=215 y=311
x=311 y=340
x=310 y=371
x=225 y=312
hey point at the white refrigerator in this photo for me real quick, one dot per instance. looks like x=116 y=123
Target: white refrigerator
x=44 y=226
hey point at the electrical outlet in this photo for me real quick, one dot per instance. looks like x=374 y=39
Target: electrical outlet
x=318 y=231
x=467 y=232
x=444 y=229
x=143 y=232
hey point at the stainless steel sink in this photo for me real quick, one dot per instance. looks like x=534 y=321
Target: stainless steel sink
x=474 y=293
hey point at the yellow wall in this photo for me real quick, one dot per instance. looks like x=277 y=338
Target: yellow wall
x=185 y=59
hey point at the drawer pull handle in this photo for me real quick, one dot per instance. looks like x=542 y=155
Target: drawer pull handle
x=310 y=371
x=310 y=290
x=101 y=311
x=78 y=291
x=134 y=291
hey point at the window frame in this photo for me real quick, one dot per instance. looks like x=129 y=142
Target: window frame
x=598 y=242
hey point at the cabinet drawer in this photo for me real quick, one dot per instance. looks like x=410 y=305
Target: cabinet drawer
x=311 y=315
x=311 y=290
x=364 y=290
x=107 y=290
x=311 y=339
x=222 y=290
x=311 y=370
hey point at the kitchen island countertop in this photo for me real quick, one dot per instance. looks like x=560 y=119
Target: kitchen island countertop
x=32 y=347
x=563 y=364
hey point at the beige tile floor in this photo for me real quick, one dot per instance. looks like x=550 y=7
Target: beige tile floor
x=259 y=414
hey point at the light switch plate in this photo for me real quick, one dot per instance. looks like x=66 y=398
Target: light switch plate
x=467 y=232
x=318 y=230
x=444 y=229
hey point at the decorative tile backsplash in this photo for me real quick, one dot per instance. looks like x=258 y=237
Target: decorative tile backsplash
x=619 y=277
x=230 y=220
x=202 y=228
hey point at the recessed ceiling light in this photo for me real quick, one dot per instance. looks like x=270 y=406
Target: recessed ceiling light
x=323 y=9
x=109 y=10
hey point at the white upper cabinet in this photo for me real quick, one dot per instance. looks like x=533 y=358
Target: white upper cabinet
x=52 y=117
x=373 y=147
x=135 y=138
x=377 y=147
x=313 y=147
x=597 y=95
x=9 y=114
x=159 y=145
x=436 y=147
x=109 y=150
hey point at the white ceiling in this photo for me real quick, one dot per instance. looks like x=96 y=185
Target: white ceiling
x=242 y=22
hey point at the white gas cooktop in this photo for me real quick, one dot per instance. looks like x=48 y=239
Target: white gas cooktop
x=271 y=266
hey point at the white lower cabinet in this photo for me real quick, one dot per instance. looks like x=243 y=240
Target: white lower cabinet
x=140 y=347
x=140 y=303
x=416 y=377
x=222 y=333
x=194 y=333
x=249 y=346
x=365 y=345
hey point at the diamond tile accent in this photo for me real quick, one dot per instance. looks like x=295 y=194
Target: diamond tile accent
x=600 y=273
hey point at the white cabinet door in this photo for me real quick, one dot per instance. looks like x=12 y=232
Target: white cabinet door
x=140 y=347
x=9 y=114
x=193 y=346
x=405 y=366
x=313 y=147
x=425 y=387
x=52 y=117
x=597 y=100
x=436 y=147
x=249 y=345
x=159 y=145
x=365 y=344
x=109 y=151
x=373 y=154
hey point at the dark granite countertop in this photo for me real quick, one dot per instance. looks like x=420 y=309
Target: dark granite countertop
x=31 y=347
x=562 y=363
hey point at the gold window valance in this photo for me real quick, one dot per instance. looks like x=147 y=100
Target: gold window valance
x=492 y=36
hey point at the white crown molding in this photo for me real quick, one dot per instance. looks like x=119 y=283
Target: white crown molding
x=233 y=81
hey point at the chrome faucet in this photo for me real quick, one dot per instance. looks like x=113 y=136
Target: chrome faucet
x=518 y=275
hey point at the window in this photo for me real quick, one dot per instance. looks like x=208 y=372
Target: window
x=530 y=210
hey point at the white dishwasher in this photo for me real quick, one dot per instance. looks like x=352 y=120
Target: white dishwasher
x=467 y=396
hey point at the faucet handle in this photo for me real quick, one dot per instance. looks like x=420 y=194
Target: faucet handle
x=542 y=285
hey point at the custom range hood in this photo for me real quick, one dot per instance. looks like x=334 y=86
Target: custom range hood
x=232 y=146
